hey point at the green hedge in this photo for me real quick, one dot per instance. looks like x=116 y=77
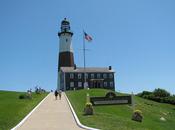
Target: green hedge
x=158 y=95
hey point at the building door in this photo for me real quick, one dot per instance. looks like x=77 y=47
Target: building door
x=97 y=84
x=94 y=84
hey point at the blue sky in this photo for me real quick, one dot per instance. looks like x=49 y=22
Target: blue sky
x=137 y=38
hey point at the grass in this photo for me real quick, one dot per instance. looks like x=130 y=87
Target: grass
x=118 y=117
x=13 y=109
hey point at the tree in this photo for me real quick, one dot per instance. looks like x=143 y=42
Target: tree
x=161 y=93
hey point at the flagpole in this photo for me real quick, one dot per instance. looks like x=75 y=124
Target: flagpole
x=84 y=54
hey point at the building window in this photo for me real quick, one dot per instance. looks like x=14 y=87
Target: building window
x=71 y=84
x=79 y=84
x=104 y=76
x=71 y=75
x=111 y=84
x=79 y=76
x=111 y=75
x=105 y=84
x=98 y=76
x=86 y=75
x=92 y=76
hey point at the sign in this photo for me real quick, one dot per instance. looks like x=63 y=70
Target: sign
x=111 y=99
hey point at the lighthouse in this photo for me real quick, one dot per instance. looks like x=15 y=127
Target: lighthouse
x=72 y=77
x=66 y=57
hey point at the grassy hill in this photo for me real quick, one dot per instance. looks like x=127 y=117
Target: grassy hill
x=118 y=117
x=13 y=109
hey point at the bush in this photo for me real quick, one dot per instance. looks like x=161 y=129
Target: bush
x=88 y=110
x=144 y=94
x=24 y=96
x=161 y=93
x=170 y=100
x=137 y=116
x=158 y=95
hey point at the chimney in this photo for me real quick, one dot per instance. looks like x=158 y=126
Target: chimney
x=110 y=67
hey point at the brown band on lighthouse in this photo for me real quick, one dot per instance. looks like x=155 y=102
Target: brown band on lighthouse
x=66 y=59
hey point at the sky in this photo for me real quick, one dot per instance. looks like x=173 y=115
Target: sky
x=135 y=37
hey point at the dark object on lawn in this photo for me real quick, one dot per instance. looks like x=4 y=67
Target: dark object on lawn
x=24 y=96
x=88 y=110
x=137 y=116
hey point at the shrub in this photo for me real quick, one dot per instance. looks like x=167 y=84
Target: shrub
x=170 y=100
x=24 y=96
x=161 y=93
x=144 y=94
x=137 y=116
x=158 y=95
x=88 y=110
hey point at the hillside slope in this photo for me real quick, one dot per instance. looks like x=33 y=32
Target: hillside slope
x=13 y=109
x=118 y=117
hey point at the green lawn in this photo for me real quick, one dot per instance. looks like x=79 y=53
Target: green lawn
x=118 y=117
x=13 y=109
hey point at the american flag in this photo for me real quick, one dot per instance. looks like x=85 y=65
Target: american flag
x=87 y=37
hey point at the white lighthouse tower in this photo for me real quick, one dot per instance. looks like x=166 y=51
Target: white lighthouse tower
x=66 y=58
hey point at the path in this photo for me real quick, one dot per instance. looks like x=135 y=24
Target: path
x=51 y=115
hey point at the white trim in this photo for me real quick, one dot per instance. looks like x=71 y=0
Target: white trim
x=76 y=118
x=26 y=117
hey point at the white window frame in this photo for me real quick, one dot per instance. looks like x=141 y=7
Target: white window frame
x=92 y=76
x=104 y=75
x=71 y=75
x=98 y=76
x=111 y=84
x=71 y=84
x=86 y=75
x=105 y=84
x=79 y=84
x=111 y=75
x=79 y=76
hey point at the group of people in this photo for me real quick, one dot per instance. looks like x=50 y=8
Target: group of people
x=57 y=93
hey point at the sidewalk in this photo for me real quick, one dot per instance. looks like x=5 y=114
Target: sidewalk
x=51 y=115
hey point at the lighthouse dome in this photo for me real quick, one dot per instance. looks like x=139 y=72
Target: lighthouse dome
x=65 y=21
x=65 y=25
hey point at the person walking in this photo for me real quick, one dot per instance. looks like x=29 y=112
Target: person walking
x=56 y=94
x=59 y=93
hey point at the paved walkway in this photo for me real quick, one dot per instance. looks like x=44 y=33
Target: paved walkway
x=51 y=115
